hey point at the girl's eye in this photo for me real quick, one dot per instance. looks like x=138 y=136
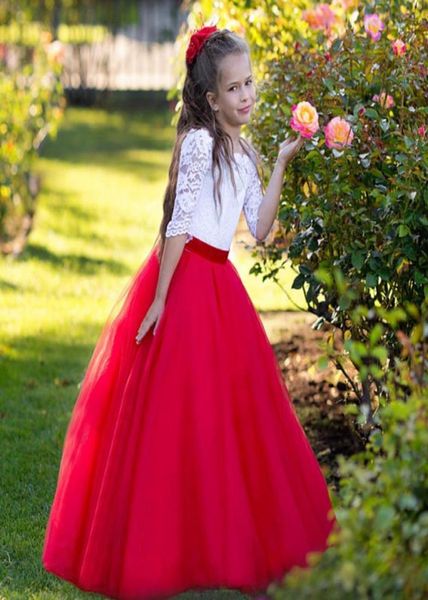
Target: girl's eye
x=234 y=86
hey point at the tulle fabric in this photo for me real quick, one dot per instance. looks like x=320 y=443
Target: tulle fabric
x=184 y=465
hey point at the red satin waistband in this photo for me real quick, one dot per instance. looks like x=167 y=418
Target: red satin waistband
x=205 y=249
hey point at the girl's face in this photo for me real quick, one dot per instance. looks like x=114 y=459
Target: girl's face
x=236 y=91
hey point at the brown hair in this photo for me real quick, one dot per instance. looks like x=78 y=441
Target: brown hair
x=203 y=76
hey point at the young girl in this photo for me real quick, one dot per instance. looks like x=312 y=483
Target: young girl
x=184 y=465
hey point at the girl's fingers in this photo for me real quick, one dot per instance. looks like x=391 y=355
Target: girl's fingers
x=157 y=324
x=144 y=327
x=141 y=332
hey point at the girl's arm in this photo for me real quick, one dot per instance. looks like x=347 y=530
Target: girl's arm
x=172 y=250
x=260 y=209
x=269 y=204
x=195 y=160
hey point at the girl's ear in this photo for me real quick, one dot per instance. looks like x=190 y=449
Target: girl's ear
x=211 y=100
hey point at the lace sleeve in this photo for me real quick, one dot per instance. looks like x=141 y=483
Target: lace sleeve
x=195 y=159
x=253 y=199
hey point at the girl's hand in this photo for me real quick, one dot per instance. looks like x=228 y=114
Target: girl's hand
x=152 y=317
x=289 y=148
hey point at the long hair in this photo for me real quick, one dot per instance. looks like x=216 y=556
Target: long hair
x=201 y=77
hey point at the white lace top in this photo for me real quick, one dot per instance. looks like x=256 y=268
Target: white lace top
x=195 y=210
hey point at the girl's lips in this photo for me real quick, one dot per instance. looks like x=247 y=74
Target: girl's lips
x=245 y=110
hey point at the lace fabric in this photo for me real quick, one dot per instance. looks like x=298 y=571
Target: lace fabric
x=253 y=198
x=195 y=160
x=194 y=211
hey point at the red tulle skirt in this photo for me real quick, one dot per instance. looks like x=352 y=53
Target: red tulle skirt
x=184 y=465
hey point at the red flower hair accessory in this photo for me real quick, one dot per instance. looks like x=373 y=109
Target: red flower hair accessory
x=197 y=40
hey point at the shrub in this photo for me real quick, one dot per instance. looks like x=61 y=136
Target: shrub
x=382 y=547
x=31 y=105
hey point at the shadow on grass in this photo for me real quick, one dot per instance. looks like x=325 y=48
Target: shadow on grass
x=78 y=263
x=7 y=286
x=72 y=222
x=111 y=138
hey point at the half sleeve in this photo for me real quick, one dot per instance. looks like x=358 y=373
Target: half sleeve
x=253 y=199
x=195 y=161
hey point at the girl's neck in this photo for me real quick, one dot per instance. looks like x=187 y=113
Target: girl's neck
x=235 y=134
x=236 y=143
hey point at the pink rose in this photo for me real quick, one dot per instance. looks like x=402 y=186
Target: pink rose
x=398 y=47
x=422 y=130
x=56 y=51
x=385 y=100
x=373 y=26
x=338 y=133
x=304 y=119
x=320 y=17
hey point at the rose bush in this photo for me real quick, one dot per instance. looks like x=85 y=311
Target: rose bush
x=382 y=508
x=31 y=105
x=356 y=199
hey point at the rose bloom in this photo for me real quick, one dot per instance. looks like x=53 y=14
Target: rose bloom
x=398 y=47
x=373 y=26
x=345 y=4
x=304 y=119
x=338 y=133
x=385 y=100
x=320 y=17
x=55 y=51
x=422 y=130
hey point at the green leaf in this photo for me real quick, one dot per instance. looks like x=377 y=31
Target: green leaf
x=299 y=281
x=420 y=278
x=380 y=353
x=324 y=276
x=376 y=334
x=336 y=45
x=330 y=85
x=357 y=259
x=403 y=230
x=384 y=125
x=371 y=279
x=344 y=302
x=385 y=517
x=322 y=362
x=371 y=113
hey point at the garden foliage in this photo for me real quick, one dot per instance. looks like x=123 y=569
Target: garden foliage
x=31 y=105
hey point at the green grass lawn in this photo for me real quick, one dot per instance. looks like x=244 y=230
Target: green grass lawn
x=97 y=217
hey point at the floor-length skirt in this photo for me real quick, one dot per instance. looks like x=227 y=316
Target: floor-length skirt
x=184 y=465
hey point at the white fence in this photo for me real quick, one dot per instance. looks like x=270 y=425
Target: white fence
x=120 y=62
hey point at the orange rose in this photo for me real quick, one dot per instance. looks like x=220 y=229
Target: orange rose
x=338 y=133
x=385 y=100
x=304 y=119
